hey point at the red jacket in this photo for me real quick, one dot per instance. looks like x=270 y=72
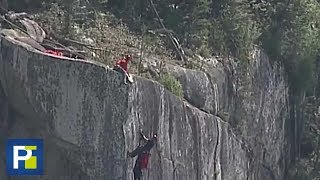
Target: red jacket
x=144 y=160
x=123 y=64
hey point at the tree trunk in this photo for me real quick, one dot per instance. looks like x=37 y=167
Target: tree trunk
x=173 y=40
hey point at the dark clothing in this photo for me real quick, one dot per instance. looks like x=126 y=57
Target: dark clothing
x=146 y=148
x=143 y=156
x=150 y=144
x=137 y=172
x=136 y=152
x=141 y=163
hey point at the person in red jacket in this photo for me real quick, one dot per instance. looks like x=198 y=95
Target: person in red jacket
x=143 y=153
x=122 y=65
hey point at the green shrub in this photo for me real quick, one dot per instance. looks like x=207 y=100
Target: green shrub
x=204 y=51
x=192 y=65
x=172 y=84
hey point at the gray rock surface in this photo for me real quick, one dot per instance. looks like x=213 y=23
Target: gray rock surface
x=254 y=99
x=89 y=119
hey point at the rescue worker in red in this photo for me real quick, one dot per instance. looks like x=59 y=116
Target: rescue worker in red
x=122 y=66
x=143 y=153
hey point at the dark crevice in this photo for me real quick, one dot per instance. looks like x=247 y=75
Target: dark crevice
x=3 y=81
x=195 y=134
x=215 y=152
x=212 y=89
x=159 y=162
x=171 y=116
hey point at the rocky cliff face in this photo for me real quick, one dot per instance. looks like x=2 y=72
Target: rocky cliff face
x=89 y=119
x=254 y=99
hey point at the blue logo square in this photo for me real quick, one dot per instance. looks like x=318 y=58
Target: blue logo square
x=24 y=156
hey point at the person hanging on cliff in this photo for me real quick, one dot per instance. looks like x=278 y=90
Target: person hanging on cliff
x=143 y=153
x=122 y=66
